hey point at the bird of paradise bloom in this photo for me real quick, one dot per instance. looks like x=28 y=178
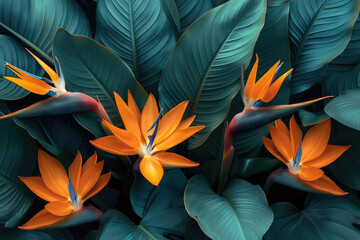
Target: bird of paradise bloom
x=255 y=93
x=65 y=193
x=39 y=85
x=305 y=157
x=149 y=136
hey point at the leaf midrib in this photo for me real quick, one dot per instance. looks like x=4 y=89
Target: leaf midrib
x=194 y=106
x=133 y=41
x=301 y=45
x=236 y=216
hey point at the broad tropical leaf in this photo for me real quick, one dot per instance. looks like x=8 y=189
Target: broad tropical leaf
x=310 y=118
x=35 y=22
x=240 y=212
x=345 y=108
x=164 y=215
x=84 y=73
x=140 y=32
x=190 y=10
x=350 y=57
x=323 y=217
x=14 y=53
x=277 y=3
x=18 y=158
x=205 y=65
x=319 y=30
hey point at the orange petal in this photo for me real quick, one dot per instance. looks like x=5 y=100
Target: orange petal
x=177 y=137
x=127 y=137
x=168 y=159
x=53 y=174
x=249 y=87
x=151 y=169
x=326 y=185
x=281 y=141
x=42 y=219
x=281 y=125
x=170 y=121
x=30 y=86
x=262 y=86
x=75 y=171
x=274 y=88
x=54 y=77
x=331 y=153
x=91 y=160
x=100 y=184
x=37 y=186
x=128 y=117
x=315 y=141
x=148 y=116
x=186 y=123
x=310 y=173
x=112 y=144
x=295 y=135
x=59 y=208
x=270 y=146
x=89 y=179
x=134 y=108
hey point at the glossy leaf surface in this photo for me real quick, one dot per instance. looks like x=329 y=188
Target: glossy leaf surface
x=240 y=212
x=215 y=47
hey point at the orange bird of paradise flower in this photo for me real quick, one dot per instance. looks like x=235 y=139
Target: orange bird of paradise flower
x=305 y=157
x=149 y=136
x=39 y=85
x=255 y=93
x=65 y=193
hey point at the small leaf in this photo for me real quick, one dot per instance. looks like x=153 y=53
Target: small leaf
x=310 y=118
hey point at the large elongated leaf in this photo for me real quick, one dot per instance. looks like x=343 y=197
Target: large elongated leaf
x=240 y=212
x=14 y=53
x=345 y=108
x=277 y=3
x=140 y=32
x=56 y=133
x=205 y=65
x=164 y=215
x=350 y=57
x=18 y=156
x=337 y=82
x=190 y=10
x=323 y=217
x=319 y=30
x=97 y=73
x=35 y=21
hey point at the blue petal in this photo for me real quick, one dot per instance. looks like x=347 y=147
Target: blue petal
x=72 y=192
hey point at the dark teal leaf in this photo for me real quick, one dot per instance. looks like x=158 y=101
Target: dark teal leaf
x=190 y=10
x=345 y=108
x=215 y=47
x=240 y=212
x=319 y=30
x=107 y=198
x=36 y=234
x=142 y=190
x=271 y=46
x=337 y=82
x=18 y=157
x=347 y=167
x=56 y=133
x=84 y=72
x=164 y=215
x=12 y=52
x=350 y=57
x=323 y=217
x=140 y=32
x=35 y=22
x=276 y=3
x=91 y=235
x=310 y=118
x=249 y=167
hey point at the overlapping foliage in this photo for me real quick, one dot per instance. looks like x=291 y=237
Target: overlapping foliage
x=173 y=51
